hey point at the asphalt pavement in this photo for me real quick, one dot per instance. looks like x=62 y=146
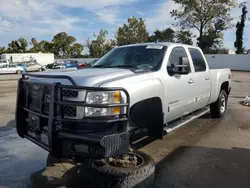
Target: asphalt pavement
x=205 y=153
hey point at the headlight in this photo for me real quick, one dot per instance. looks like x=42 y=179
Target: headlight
x=104 y=97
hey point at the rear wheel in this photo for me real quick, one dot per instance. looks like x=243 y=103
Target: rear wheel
x=40 y=70
x=219 y=108
x=19 y=72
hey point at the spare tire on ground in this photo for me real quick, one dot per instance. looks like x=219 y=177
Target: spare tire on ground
x=113 y=175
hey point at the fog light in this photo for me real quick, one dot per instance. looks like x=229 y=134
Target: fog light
x=91 y=111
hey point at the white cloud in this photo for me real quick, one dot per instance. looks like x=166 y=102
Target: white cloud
x=33 y=18
x=44 y=17
x=140 y=13
x=91 y=5
x=161 y=18
x=108 y=15
x=105 y=10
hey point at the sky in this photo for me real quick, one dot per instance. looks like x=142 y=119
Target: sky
x=43 y=19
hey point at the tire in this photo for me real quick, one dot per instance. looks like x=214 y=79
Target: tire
x=121 y=177
x=219 y=108
x=40 y=70
x=19 y=72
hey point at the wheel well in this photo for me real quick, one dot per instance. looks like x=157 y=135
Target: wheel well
x=225 y=87
x=148 y=114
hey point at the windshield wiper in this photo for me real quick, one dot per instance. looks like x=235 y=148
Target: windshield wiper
x=97 y=66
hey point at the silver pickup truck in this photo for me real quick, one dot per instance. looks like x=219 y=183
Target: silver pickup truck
x=93 y=112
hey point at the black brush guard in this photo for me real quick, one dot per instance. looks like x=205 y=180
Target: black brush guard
x=40 y=117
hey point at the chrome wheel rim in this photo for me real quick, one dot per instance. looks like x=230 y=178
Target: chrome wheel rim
x=222 y=104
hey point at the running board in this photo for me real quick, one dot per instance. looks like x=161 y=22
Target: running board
x=186 y=119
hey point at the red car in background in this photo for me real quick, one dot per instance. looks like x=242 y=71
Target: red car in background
x=84 y=65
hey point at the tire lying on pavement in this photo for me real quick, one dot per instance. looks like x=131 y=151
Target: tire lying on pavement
x=138 y=176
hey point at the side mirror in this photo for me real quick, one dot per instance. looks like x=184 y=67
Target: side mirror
x=182 y=68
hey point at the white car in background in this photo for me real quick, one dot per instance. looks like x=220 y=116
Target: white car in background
x=11 y=69
x=33 y=66
x=3 y=62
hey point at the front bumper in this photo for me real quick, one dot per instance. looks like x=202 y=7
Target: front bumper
x=45 y=118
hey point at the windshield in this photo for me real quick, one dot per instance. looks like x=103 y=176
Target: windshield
x=145 y=57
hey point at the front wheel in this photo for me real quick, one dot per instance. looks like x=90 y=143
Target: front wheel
x=219 y=108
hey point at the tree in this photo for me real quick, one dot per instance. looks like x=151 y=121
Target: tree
x=238 y=44
x=212 y=40
x=18 y=46
x=76 y=50
x=62 y=45
x=100 y=46
x=36 y=46
x=200 y=14
x=43 y=46
x=166 y=35
x=213 y=37
x=184 y=37
x=133 y=32
x=2 y=50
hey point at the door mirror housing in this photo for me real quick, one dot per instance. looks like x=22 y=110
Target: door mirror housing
x=182 y=69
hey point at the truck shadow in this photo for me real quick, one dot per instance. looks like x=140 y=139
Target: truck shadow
x=204 y=167
x=187 y=166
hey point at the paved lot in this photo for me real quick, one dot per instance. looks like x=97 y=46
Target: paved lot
x=205 y=153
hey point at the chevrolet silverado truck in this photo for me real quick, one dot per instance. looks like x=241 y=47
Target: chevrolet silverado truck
x=92 y=112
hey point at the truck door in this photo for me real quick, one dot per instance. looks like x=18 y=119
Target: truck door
x=179 y=89
x=201 y=77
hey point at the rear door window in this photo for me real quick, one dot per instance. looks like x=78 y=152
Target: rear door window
x=198 y=60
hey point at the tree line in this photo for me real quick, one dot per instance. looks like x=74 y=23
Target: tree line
x=210 y=18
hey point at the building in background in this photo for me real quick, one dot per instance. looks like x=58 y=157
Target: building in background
x=225 y=51
x=41 y=58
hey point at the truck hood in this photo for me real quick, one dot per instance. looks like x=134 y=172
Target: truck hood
x=90 y=77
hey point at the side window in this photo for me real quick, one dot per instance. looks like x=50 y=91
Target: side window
x=198 y=60
x=175 y=58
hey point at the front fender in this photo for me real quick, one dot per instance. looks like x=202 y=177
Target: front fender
x=146 y=103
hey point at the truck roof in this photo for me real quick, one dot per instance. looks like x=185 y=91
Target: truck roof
x=158 y=43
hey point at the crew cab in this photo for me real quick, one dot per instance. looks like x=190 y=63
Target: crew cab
x=93 y=112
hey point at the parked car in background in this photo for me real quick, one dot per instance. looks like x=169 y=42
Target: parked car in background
x=84 y=65
x=70 y=63
x=3 y=62
x=12 y=69
x=32 y=66
x=63 y=64
x=55 y=65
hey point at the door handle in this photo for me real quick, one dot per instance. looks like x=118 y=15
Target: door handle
x=207 y=78
x=190 y=81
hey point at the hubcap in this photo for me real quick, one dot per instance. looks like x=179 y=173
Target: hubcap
x=126 y=161
x=223 y=104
